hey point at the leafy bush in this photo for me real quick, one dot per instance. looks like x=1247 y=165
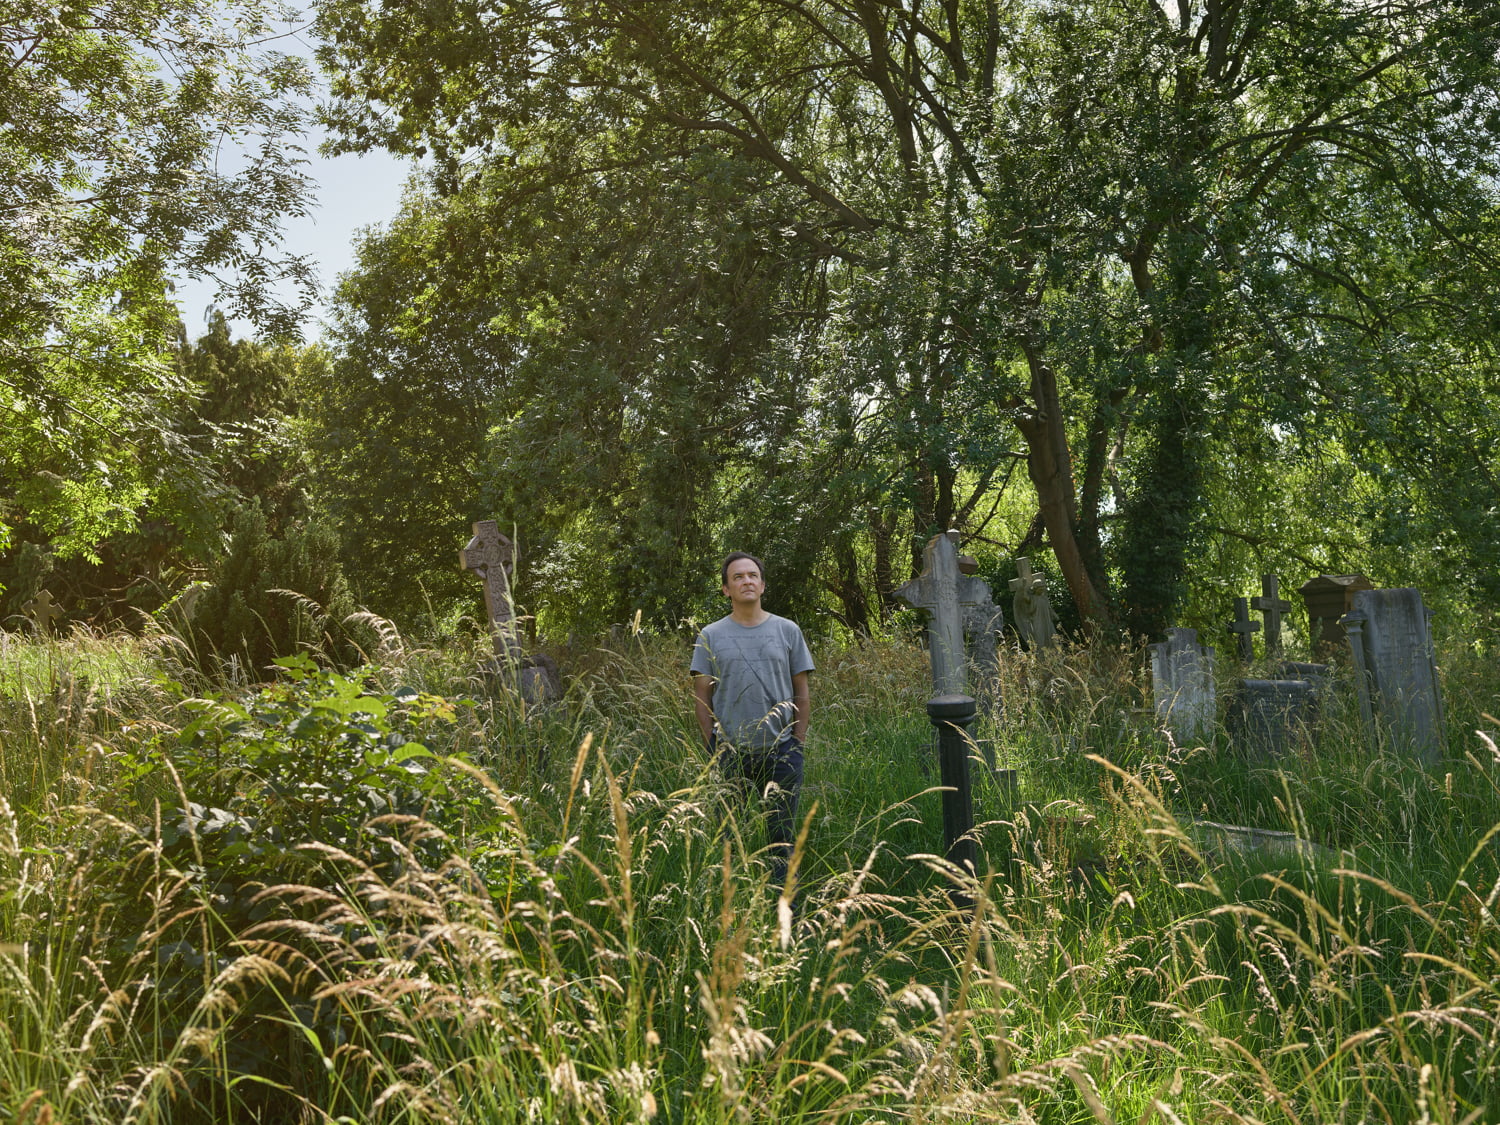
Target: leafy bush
x=271 y=597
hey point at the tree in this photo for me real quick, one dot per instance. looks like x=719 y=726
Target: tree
x=1097 y=223
x=115 y=172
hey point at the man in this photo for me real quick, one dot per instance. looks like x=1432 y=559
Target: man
x=750 y=674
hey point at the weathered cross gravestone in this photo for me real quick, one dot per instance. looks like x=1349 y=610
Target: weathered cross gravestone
x=43 y=611
x=1242 y=626
x=1182 y=673
x=1271 y=606
x=1396 y=668
x=945 y=592
x=491 y=556
x=1035 y=620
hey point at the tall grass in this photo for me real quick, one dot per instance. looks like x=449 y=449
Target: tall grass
x=583 y=930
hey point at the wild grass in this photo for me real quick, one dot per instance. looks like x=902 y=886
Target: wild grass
x=575 y=925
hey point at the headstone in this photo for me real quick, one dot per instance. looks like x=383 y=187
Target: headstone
x=1242 y=627
x=1271 y=606
x=1328 y=597
x=983 y=621
x=1271 y=717
x=43 y=611
x=1396 y=668
x=1182 y=672
x=541 y=680
x=943 y=591
x=1035 y=620
x=491 y=556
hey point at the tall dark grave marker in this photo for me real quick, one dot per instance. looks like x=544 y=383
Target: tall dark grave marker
x=944 y=591
x=1328 y=597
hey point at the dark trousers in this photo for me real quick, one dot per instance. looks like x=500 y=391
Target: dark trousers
x=774 y=776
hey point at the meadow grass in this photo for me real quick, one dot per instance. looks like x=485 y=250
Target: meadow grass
x=572 y=922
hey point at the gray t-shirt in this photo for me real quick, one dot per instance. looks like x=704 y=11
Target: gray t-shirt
x=752 y=668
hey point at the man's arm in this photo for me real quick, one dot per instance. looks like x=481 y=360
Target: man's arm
x=802 y=704
x=703 y=699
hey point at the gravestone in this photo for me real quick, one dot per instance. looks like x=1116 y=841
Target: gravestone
x=1182 y=674
x=1270 y=717
x=491 y=556
x=1271 y=606
x=1030 y=607
x=1396 y=669
x=1243 y=627
x=1328 y=597
x=945 y=592
x=43 y=611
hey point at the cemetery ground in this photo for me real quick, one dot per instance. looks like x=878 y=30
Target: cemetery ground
x=392 y=895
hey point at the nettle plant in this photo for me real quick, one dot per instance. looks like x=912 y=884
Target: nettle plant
x=316 y=757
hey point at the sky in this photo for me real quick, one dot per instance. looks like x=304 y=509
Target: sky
x=350 y=192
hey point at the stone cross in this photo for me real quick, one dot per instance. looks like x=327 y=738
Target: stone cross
x=1182 y=674
x=43 y=611
x=1271 y=606
x=1035 y=620
x=1243 y=626
x=1397 y=676
x=944 y=591
x=491 y=556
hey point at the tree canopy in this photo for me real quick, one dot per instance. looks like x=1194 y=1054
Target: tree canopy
x=900 y=247
x=143 y=140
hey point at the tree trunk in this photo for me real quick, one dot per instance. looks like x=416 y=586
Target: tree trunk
x=1050 y=466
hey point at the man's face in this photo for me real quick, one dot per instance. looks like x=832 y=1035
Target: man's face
x=744 y=585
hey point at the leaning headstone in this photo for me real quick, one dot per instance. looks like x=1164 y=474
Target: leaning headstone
x=1030 y=607
x=1243 y=627
x=491 y=556
x=944 y=592
x=1396 y=668
x=1182 y=673
x=1328 y=597
x=1271 y=605
x=1270 y=717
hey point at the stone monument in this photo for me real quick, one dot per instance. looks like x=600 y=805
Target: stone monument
x=1328 y=597
x=1243 y=627
x=43 y=611
x=1271 y=606
x=1396 y=669
x=491 y=556
x=945 y=592
x=1182 y=674
x=1031 y=608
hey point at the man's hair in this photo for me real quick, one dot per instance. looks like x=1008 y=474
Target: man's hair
x=735 y=556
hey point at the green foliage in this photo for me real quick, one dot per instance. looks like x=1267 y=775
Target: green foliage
x=112 y=180
x=272 y=595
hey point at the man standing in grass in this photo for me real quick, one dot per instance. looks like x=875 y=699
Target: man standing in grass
x=750 y=681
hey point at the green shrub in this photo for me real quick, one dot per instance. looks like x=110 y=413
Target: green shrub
x=270 y=597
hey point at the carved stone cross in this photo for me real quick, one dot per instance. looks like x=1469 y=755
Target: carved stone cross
x=491 y=556
x=43 y=611
x=1243 y=626
x=1271 y=606
x=944 y=591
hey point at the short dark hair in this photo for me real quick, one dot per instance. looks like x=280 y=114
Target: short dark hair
x=735 y=556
